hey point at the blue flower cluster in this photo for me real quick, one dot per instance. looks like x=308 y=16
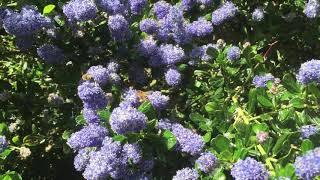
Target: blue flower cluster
x=3 y=143
x=308 y=166
x=102 y=75
x=158 y=100
x=234 y=53
x=27 y=22
x=119 y=27
x=80 y=10
x=92 y=95
x=249 y=168
x=312 y=9
x=51 y=54
x=261 y=80
x=308 y=130
x=309 y=72
x=207 y=162
x=258 y=14
x=186 y=174
x=227 y=11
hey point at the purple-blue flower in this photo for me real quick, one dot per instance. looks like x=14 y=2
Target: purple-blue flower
x=227 y=11
x=207 y=162
x=124 y=120
x=165 y=124
x=80 y=10
x=249 y=168
x=161 y=9
x=133 y=153
x=130 y=98
x=112 y=67
x=187 y=5
x=112 y=6
x=82 y=158
x=158 y=101
x=172 y=77
x=258 y=14
x=149 y=26
x=199 y=28
x=51 y=54
x=308 y=130
x=136 y=6
x=92 y=95
x=309 y=72
x=312 y=9
x=308 y=166
x=91 y=116
x=99 y=73
x=119 y=27
x=233 y=53
x=187 y=141
x=171 y=54
x=26 y=22
x=89 y=136
x=148 y=47
x=3 y=143
x=261 y=80
x=186 y=174
x=205 y=2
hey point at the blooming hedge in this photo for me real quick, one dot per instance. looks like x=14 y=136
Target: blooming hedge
x=137 y=89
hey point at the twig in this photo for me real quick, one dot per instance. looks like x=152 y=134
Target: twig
x=269 y=49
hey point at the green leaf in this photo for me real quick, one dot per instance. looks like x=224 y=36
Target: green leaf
x=11 y=175
x=285 y=114
x=48 y=9
x=263 y=127
x=119 y=138
x=220 y=143
x=290 y=83
x=211 y=107
x=3 y=128
x=213 y=52
x=252 y=103
x=80 y=120
x=16 y=139
x=196 y=117
x=147 y=109
x=287 y=171
x=207 y=137
x=104 y=114
x=33 y=140
x=280 y=142
x=297 y=103
x=264 y=101
x=169 y=139
x=306 y=145
x=66 y=134
x=5 y=153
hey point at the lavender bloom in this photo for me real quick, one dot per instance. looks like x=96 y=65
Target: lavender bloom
x=112 y=6
x=205 y=2
x=227 y=11
x=308 y=166
x=199 y=28
x=158 y=101
x=90 y=136
x=130 y=98
x=165 y=124
x=249 y=169
x=133 y=153
x=3 y=143
x=172 y=77
x=161 y=9
x=92 y=95
x=126 y=120
x=100 y=74
x=24 y=43
x=112 y=67
x=3 y=14
x=201 y=52
x=136 y=6
x=148 y=47
x=312 y=9
x=262 y=136
x=187 y=5
x=308 y=130
x=171 y=54
x=309 y=72
x=234 y=53
x=91 y=116
x=119 y=27
x=82 y=158
x=26 y=23
x=105 y=162
x=261 y=81
x=207 y=162
x=258 y=14
x=80 y=10
x=186 y=174
x=188 y=141
x=114 y=78
x=149 y=26
x=51 y=54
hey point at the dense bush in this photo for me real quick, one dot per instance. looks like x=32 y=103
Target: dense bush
x=190 y=89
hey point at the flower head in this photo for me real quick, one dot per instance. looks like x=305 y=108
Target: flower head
x=149 y=26
x=100 y=74
x=119 y=27
x=92 y=95
x=308 y=130
x=82 y=158
x=127 y=119
x=258 y=14
x=249 y=168
x=227 y=11
x=207 y=162
x=51 y=54
x=261 y=81
x=171 y=54
x=112 y=6
x=309 y=72
x=199 y=28
x=133 y=153
x=91 y=116
x=148 y=47
x=172 y=77
x=3 y=143
x=158 y=101
x=161 y=9
x=80 y=10
x=233 y=53
x=186 y=174
x=312 y=9
x=136 y=6
x=308 y=165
